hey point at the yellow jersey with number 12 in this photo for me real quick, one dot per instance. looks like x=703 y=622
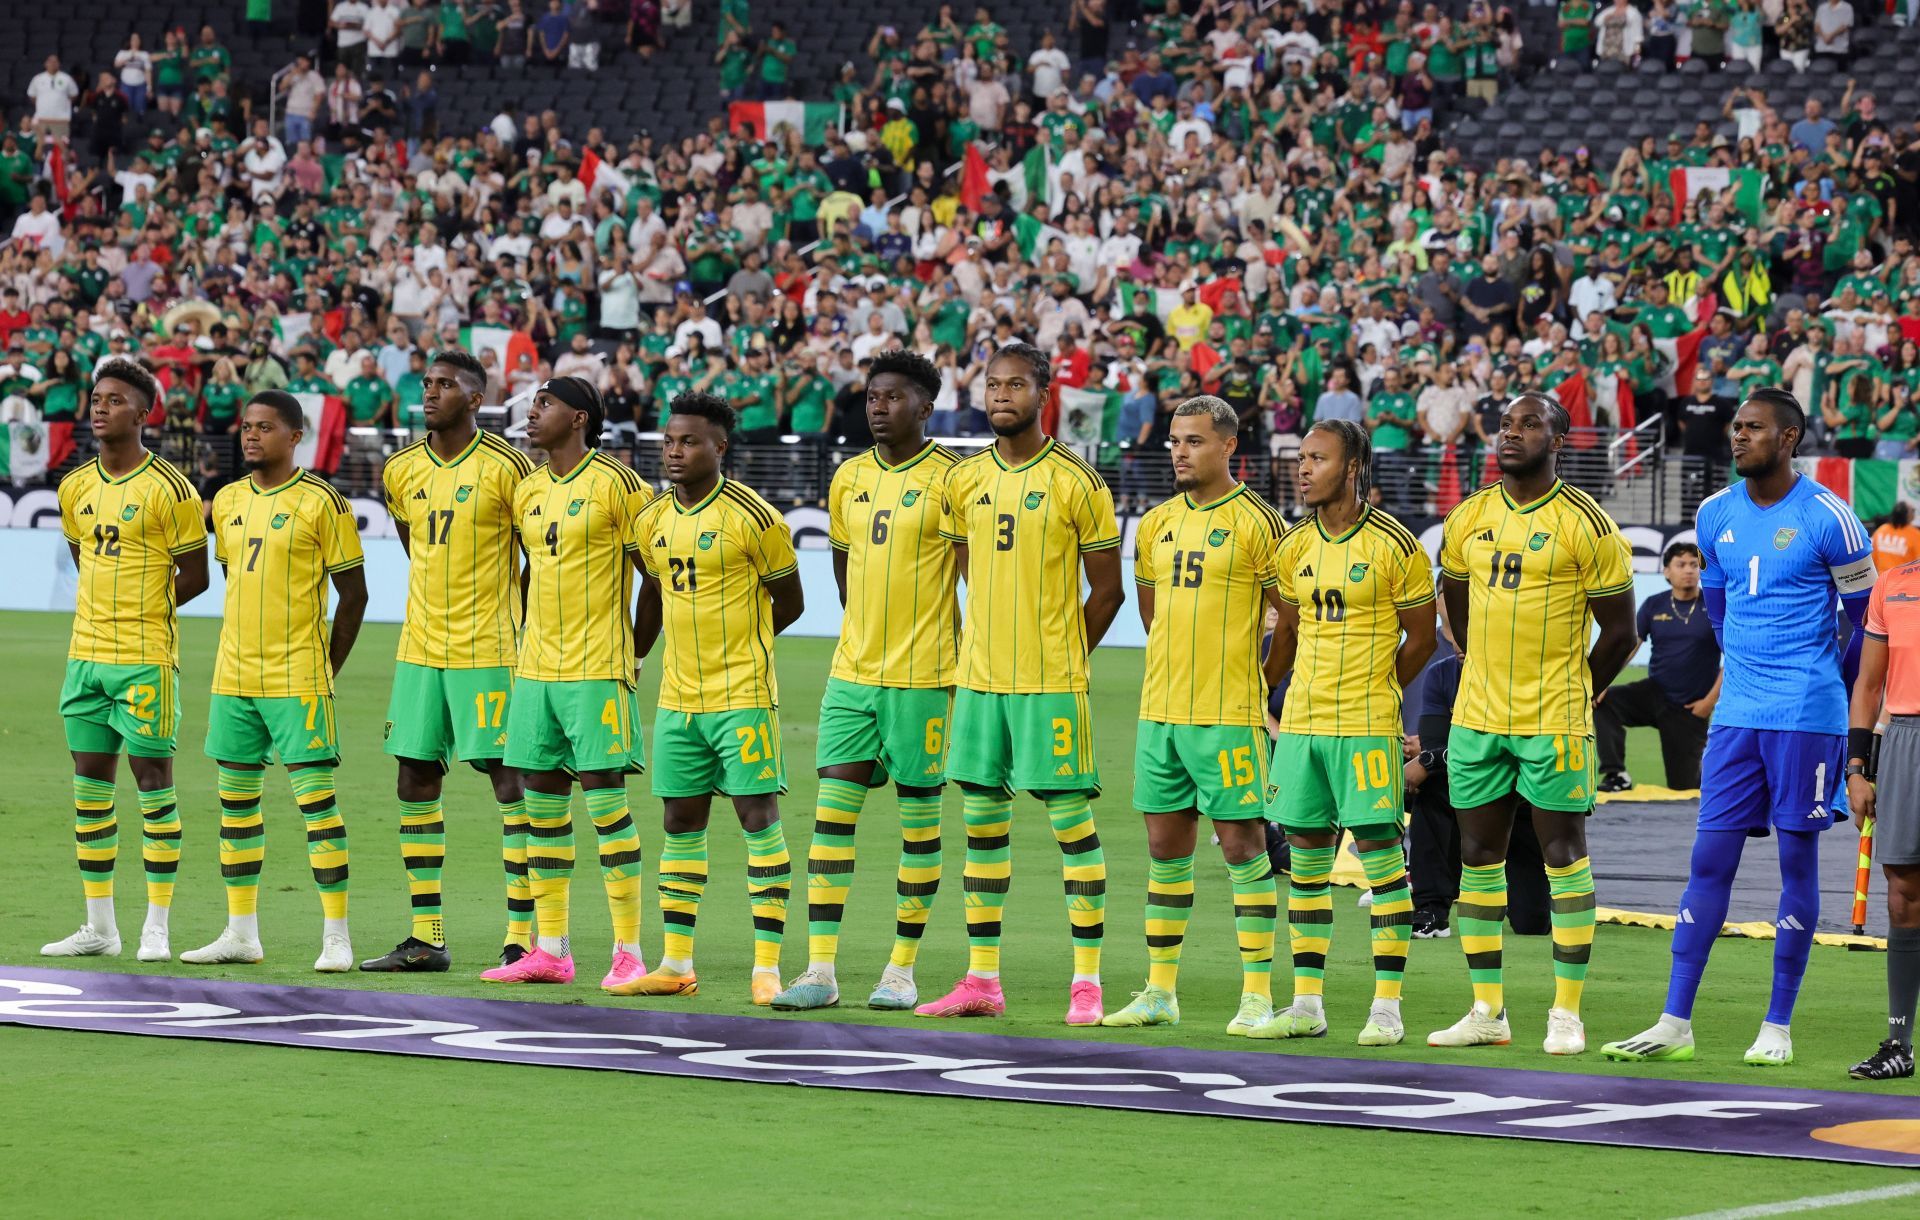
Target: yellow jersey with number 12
x=130 y=530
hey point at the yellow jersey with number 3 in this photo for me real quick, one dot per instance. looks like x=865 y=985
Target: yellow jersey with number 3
x=463 y=563
x=577 y=530
x=279 y=547
x=1350 y=589
x=130 y=531
x=712 y=562
x=1531 y=571
x=899 y=625
x=1209 y=566
x=1026 y=528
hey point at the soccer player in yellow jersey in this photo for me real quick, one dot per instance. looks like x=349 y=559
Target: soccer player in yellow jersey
x=451 y=497
x=280 y=534
x=720 y=578
x=1528 y=565
x=885 y=710
x=1026 y=515
x=134 y=527
x=1356 y=626
x=1205 y=570
x=573 y=711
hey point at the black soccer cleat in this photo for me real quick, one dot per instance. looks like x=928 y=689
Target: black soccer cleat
x=410 y=956
x=1429 y=924
x=511 y=953
x=1615 y=781
x=1893 y=1061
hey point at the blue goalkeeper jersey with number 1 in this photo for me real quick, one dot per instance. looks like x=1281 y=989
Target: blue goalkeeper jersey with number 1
x=1784 y=568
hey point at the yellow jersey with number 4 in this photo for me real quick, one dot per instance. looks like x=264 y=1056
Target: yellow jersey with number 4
x=577 y=530
x=899 y=625
x=1531 y=571
x=129 y=531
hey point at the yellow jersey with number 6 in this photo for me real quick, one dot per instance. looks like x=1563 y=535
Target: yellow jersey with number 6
x=899 y=625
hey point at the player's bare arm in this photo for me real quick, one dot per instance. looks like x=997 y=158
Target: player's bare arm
x=1863 y=712
x=789 y=600
x=646 y=615
x=1143 y=596
x=840 y=575
x=1616 y=642
x=1104 y=593
x=350 y=592
x=1454 y=591
x=1417 y=642
x=1285 y=643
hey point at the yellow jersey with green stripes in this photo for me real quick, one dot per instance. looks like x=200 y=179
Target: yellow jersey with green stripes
x=278 y=548
x=712 y=562
x=1350 y=589
x=577 y=530
x=130 y=531
x=1209 y=566
x=1025 y=528
x=899 y=628
x=1530 y=571
x=463 y=571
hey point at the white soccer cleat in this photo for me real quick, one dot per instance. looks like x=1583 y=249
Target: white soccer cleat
x=154 y=945
x=1480 y=1027
x=84 y=943
x=1566 y=1034
x=1667 y=1041
x=1366 y=898
x=336 y=954
x=231 y=949
x=1384 y=1026
x=1773 y=1048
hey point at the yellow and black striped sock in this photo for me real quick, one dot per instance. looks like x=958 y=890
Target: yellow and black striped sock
x=619 y=860
x=917 y=879
x=513 y=860
x=987 y=875
x=326 y=837
x=1169 y=905
x=1256 y=901
x=96 y=837
x=1482 y=916
x=830 y=866
x=423 y=850
x=683 y=881
x=550 y=866
x=160 y=843
x=1391 y=916
x=769 y=884
x=243 y=838
x=1310 y=917
x=1083 y=868
x=1571 y=890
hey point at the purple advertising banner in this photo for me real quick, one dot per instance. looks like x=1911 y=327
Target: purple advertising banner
x=1626 y=1109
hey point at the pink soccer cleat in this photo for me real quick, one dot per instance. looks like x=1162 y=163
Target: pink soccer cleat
x=1083 y=1004
x=625 y=969
x=972 y=996
x=538 y=966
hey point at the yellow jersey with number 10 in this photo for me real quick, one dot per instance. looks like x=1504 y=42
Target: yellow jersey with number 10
x=577 y=529
x=130 y=531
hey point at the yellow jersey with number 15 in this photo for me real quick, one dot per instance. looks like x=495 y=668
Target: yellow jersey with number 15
x=130 y=531
x=577 y=529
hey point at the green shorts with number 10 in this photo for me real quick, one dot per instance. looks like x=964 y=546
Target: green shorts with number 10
x=437 y=715
x=1549 y=771
x=1332 y=784
x=1023 y=743
x=901 y=730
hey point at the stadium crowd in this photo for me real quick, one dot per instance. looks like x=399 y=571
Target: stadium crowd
x=1258 y=202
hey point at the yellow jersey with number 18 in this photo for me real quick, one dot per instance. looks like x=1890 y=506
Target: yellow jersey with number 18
x=129 y=530
x=577 y=529
x=899 y=626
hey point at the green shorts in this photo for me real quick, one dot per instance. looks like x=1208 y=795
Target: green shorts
x=592 y=725
x=249 y=729
x=1219 y=770
x=110 y=708
x=1549 y=771
x=1023 y=743
x=901 y=730
x=436 y=715
x=1338 y=783
x=733 y=753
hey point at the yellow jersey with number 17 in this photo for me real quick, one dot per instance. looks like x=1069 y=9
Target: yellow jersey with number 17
x=463 y=563
x=1531 y=571
x=130 y=531
x=278 y=548
x=577 y=529
x=899 y=625
x=1026 y=528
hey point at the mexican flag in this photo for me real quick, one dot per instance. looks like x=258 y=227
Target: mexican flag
x=325 y=438
x=599 y=176
x=760 y=120
x=23 y=451
x=1089 y=416
x=1872 y=486
x=1742 y=186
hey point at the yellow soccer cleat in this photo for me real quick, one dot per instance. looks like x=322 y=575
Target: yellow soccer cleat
x=660 y=981
x=766 y=985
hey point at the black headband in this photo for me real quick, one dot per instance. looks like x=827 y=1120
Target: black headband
x=576 y=392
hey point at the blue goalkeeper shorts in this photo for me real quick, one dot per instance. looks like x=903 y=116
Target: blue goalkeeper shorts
x=1756 y=779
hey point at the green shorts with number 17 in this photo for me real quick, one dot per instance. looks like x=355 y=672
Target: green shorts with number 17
x=436 y=715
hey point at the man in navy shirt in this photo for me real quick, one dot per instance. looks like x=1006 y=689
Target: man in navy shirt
x=1682 y=683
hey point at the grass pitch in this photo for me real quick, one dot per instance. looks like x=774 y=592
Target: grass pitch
x=172 y=1127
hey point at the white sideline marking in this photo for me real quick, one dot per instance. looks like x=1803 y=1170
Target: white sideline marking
x=1812 y=1203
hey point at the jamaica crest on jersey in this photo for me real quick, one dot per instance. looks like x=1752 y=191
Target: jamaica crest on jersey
x=1357 y=573
x=1034 y=498
x=1218 y=537
x=126 y=514
x=706 y=539
x=461 y=493
x=907 y=498
x=1538 y=541
x=1783 y=538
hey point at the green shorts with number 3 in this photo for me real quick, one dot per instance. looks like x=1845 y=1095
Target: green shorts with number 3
x=1549 y=771
x=250 y=729
x=437 y=715
x=592 y=725
x=1219 y=770
x=1329 y=784
x=902 y=731
x=1023 y=743
x=110 y=708
x=734 y=753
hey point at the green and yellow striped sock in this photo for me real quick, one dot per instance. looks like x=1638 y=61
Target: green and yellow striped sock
x=550 y=862
x=987 y=875
x=1391 y=917
x=1482 y=915
x=1256 y=902
x=513 y=861
x=326 y=837
x=683 y=880
x=423 y=850
x=1571 y=890
x=160 y=843
x=918 y=878
x=769 y=882
x=243 y=838
x=619 y=860
x=96 y=836
x=830 y=866
x=1310 y=917
x=1083 y=867
x=1169 y=904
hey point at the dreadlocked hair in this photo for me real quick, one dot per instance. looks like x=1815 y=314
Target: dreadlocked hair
x=1354 y=447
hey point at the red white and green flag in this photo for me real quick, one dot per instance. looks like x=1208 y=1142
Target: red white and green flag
x=1742 y=189
x=1871 y=485
x=761 y=120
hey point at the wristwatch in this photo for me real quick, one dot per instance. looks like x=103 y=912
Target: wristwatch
x=1430 y=759
x=1854 y=768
